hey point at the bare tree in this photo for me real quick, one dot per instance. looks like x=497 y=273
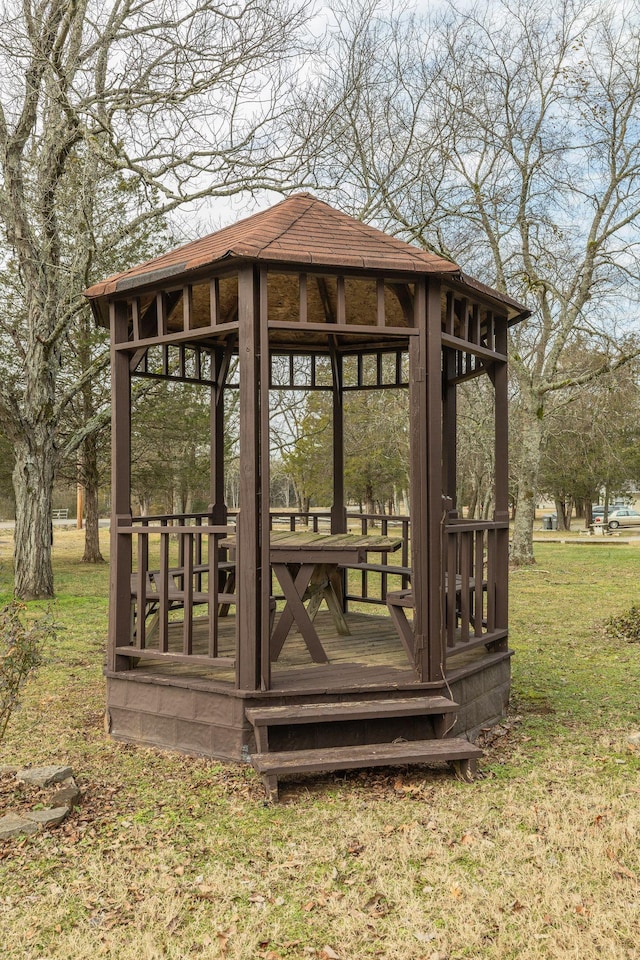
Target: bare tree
x=171 y=102
x=511 y=141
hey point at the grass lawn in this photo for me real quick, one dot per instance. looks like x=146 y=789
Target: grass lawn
x=174 y=857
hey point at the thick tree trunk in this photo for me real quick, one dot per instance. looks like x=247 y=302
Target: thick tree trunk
x=528 y=460
x=33 y=485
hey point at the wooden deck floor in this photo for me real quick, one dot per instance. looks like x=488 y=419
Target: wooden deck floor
x=371 y=655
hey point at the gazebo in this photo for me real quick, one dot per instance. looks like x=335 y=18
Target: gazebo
x=325 y=640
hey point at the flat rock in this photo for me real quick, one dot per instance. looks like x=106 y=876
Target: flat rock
x=47 y=818
x=44 y=776
x=633 y=741
x=67 y=794
x=11 y=825
x=6 y=768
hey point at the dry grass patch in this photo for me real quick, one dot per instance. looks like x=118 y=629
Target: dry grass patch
x=173 y=857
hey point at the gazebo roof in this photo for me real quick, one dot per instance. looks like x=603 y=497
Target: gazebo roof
x=300 y=230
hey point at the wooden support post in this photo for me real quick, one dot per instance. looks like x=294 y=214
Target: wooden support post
x=120 y=566
x=338 y=509
x=217 y=506
x=135 y=316
x=450 y=427
x=264 y=366
x=498 y=374
x=161 y=313
x=434 y=659
x=425 y=411
x=249 y=575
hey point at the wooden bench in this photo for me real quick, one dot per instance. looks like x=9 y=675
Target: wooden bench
x=399 y=600
x=396 y=600
x=380 y=568
x=176 y=594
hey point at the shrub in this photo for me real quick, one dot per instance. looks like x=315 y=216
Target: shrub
x=626 y=626
x=21 y=645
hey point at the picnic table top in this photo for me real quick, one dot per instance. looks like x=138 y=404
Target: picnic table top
x=309 y=541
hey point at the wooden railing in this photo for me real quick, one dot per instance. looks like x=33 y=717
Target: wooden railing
x=475 y=561
x=177 y=564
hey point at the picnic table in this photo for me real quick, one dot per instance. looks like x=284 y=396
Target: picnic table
x=307 y=567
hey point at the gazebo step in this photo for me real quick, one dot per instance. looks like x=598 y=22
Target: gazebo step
x=329 y=711
x=271 y=766
x=340 y=711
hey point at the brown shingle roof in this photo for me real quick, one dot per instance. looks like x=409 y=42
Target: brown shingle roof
x=299 y=230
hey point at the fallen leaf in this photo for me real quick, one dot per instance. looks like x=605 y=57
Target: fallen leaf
x=377 y=905
x=622 y=871
x=328 y=953
x=205 y=892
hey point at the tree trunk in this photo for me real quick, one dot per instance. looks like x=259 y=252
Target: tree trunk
x=473 y=502
x=33 y=485
x=92 y=552
x=561 y=515
x=371 y=507
x=528 y=461
x=91 y=477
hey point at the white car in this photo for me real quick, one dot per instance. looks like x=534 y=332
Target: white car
x=622 y=517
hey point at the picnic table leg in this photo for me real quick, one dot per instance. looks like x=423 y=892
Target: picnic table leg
x=333 y=598
x=295 y=611
x=315 y=591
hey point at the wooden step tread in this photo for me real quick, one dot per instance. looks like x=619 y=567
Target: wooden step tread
x=348 y=710
x=366 y=755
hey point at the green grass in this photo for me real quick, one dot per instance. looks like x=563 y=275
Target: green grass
x=174 y=857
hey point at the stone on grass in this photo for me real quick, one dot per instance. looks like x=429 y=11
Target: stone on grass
x=44 y=776
x=11 y=825
x=633 y=741
x=67 y=795
x=47 y=818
